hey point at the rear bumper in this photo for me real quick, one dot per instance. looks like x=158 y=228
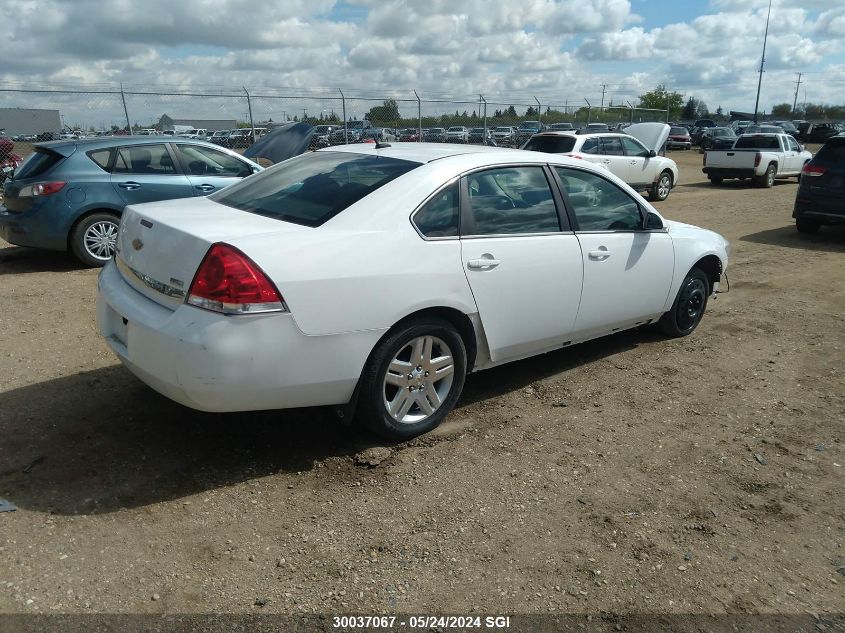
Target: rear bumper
x=729 y=172
x=211 y=362
x=37 y=227
x=826 y=210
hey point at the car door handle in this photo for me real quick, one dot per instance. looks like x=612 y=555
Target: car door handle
x=484 y=262
x=205 y=188
x=130 y=185
x=600 y=254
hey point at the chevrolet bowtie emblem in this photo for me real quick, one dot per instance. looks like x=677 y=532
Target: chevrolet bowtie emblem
x=137 y=244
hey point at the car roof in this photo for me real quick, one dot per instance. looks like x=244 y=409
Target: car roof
x=427 y=152
x=110 y=141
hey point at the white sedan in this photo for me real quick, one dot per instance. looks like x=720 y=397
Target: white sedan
x=631 y=155
x=374 y=278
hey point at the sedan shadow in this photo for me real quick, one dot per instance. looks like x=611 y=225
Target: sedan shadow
x=99 y=441
x=829 y=238
x=19 y=259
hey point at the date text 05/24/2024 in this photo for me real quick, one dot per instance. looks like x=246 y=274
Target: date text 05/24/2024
x=347 y=622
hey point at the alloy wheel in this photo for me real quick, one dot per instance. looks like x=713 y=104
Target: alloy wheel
x=100 y=239
x=418 y=379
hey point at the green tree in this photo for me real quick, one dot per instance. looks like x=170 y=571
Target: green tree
x=782 y=110
x=658 y=99
x=387 y=112
x=690 y=109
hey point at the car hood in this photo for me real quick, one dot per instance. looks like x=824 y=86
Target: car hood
x=652 y=135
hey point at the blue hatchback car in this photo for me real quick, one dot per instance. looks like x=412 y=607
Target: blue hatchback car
x=68 y=195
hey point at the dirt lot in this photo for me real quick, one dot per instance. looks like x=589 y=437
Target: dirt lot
x=632 y=474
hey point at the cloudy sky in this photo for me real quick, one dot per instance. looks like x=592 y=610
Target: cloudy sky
x=559 y=51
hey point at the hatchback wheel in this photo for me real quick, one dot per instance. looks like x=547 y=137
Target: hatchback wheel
x=660 y=190
x=689 y=305
x=413 y=379
x=94 y=238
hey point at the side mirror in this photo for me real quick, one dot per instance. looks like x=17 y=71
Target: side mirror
x=800 y=148
x=652 y=153
x=652 y=222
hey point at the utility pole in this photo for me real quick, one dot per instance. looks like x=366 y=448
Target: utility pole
x=795 y=101
x=762 y=61
x=603 y=90
x=125 y=111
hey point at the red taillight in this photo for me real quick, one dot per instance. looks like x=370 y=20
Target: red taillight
x=41 y=189
x=813 y=170
x=228 y=281
x=757 y=157
x=574 y=156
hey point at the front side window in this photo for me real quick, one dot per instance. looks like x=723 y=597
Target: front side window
x=633 y=147
x=598 y=204
x=439 y=217
x=793 y=145
x=313 y=188
x=510 y=201
x=144 y=159
x=204 y=161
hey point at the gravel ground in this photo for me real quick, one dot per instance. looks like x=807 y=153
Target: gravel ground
x=631 y=474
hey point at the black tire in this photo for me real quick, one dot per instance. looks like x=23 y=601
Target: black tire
x=767 y=180
x=661 y=189
x=373 y=409
x=806 y=225
x=689 y=305
x=716 y=180
x=84 y=243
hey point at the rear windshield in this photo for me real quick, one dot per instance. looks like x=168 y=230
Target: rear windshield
x=551 y=144
x=679 y=131
x=833 y=151
x=38 y=163
x=313 y=188
x=757 y=142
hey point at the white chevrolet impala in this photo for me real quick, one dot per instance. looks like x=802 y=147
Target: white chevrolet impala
x=375 y=277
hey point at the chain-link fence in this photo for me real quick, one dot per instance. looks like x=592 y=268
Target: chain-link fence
x=236 y=118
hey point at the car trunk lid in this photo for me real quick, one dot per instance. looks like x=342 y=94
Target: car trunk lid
x=161 y=245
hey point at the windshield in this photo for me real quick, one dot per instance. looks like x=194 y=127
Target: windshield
x=533 y=125
x=456 y=129
x=551 y=144
x=355 y=125
x=477 y=130
x=313 y=188
x=503 y=129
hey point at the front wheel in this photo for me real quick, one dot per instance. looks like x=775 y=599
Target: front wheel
x=689 y=305
x=413 y=379
x=94 y=238
x=716 y=180
x=660 y=190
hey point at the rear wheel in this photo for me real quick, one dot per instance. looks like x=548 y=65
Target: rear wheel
x=413 y=379
x=768 y=179
x=805 y=225
x=689 y=305
x=94 y=238
x=660 y=190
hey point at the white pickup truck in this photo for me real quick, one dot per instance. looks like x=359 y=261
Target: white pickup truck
x=761 y=157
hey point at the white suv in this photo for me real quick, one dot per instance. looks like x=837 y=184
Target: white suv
x=631 y=156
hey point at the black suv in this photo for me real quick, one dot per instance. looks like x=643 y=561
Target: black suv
x=821 y=190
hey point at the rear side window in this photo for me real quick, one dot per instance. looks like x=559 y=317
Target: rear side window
x=833 y=152
x=439 y=216
x=611 y=146
x=313 y=188
x=551 y=144
x=511 y=200
x=38 y=163
x=144 y=159
x=590 y=146
x=101 y=157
